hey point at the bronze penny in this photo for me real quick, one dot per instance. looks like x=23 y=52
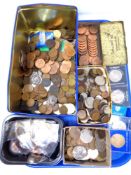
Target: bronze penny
x=82 y=114
x=65 y=67
x=54 y=68
x=69 y=50
x=49 y=109
x=63 y=109
x=39 y=63
x=65 y=56
x=46 y=69
x=43 y=108
x=30 y=102
x=84 y=60
x=95 y=115
x=81 y=30
x=93 y=29
x=25 y=96
x=92 y=37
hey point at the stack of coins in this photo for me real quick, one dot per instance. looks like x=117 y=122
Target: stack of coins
x=94 y=96
x=85 y=144
x=49 y=76
x=88 y=45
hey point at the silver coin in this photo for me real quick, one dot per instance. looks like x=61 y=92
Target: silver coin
x=54 y=90
x=93 y=154
x=86 y=136
x=79 y=152
x=46 y=82
x=52 y=100
x=115 y=75
x=100 y=80
x=118 y=96
x=89 y=102
x=35 y=78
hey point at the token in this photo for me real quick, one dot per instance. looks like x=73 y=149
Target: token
x=118 y=140
x=86 y=136
x=79 y=152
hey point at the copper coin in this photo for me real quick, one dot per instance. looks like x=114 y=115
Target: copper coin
x=92 y=37
x=96 y=104
x=74 y=132
x=95 y=115
x=30 y=102
x=43 y=108
x=69 y=50
x=27 y=88
x=25 y=96
x=70 y=153
x=39 y=63
x=63 y=109
x=93 y=29
x=46 y=69
x=54 y=68
x=82 y=114
x=94 y=92
x=105 y=119
x=65 y=56
x=65 y=67
x=81 y=30
x=49 y=109
x=118 y=140
x=84 y=60
x=53 y=53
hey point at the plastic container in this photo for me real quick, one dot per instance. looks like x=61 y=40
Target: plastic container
x=9 y=158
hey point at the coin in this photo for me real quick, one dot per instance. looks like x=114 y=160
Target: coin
x=93 y=29
x=95 y=115
x=27 y=88
x=65 y=67
x=46 y=82
x=86 y=136
x=81 y=30
x=54 y=68
x=25 y=96
x=79 y=152
x=74 y=132
x=30 y=102
x=118 y=96
x=100 y=80
x=46 y=69
x=35 y=78
x=43 y=108
x=49 y=109
x=82 y=114
x=93 y=154
x=39 y=63
x=118 y=140
x=53 y=90
x=63 y=109
x=89 y=102
x=70 y=153
x=52 y=100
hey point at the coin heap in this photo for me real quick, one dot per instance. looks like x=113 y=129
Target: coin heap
x=88 y=45
x=94 y=96
x=84 y=144
x=49 y=76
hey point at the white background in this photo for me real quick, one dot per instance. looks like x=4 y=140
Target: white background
x=88 y=9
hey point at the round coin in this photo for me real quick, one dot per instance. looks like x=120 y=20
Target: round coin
x=79 y=152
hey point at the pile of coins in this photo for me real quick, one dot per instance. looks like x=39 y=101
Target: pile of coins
x=85 y=144
x=94 y=96
x=88 y=45
x=49 y=76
